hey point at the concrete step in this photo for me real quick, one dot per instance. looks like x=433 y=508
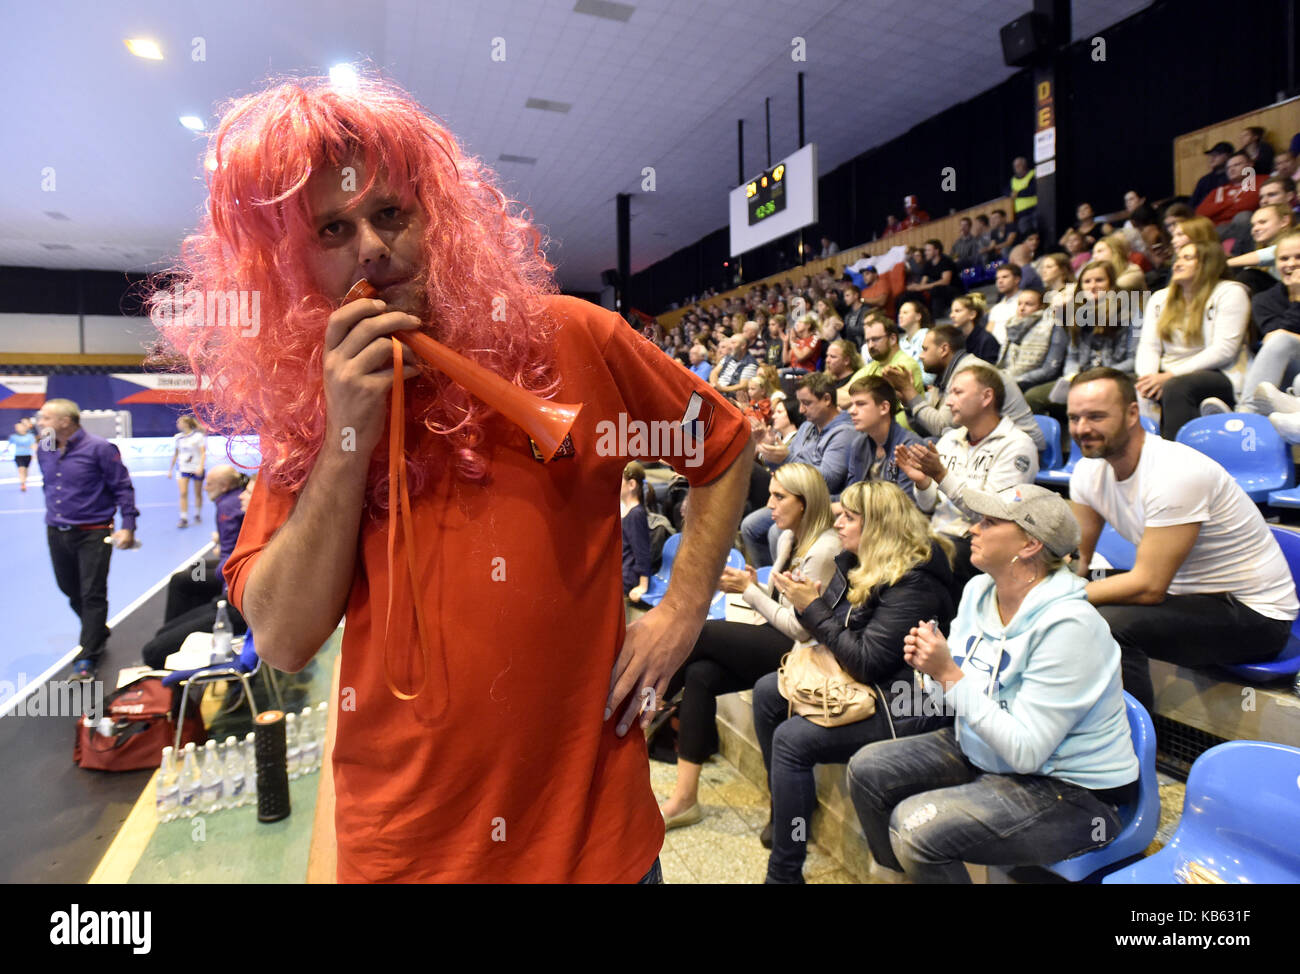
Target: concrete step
x=1211 y=701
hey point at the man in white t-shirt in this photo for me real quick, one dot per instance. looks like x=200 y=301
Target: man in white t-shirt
x=1210 y=583
x=984 y=451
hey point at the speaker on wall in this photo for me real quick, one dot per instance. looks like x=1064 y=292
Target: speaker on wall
x=1024 y=38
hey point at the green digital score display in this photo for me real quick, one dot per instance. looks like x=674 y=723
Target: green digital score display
x=766 y=194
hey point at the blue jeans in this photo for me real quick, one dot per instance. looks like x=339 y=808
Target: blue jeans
x=792 y=747
x=655 y=877
x=1278 y=362
x=926 y=810
x=760 y=534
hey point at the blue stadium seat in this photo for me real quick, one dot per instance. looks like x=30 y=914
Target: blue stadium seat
x=1150 y=425
x=764 y=575
x=1139 y=821
x=1061 y=475
x=1116 y=549
x=1239 y=820
x=1287 y=663
x=718 y=607
x=1248 y=447
x=1051 y=457
x=1284 y=498
x=659 y=580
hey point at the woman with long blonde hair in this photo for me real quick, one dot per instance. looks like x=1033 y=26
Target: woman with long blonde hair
x=730 y=656
x=1192 y=335
x=893 y=571
x=1193 y=229
x=1114 y=249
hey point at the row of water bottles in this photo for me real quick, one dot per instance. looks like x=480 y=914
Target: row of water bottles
x=225 y=776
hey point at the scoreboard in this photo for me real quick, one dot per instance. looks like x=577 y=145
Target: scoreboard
x=775 y=202
x=766 y=194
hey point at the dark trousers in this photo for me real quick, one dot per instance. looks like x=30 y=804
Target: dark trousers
x=185 y=592
x=168 y=639
x=926 y=810
x=1180 y=400
x=1190 y=630
x=80 y=561
x=728 y=656
x=792 y=746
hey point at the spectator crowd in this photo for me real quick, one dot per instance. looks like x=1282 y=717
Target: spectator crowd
x=916 y=565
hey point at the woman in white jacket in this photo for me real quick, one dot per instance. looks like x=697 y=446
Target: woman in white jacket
x=1040 y=757
x=731 y=656
x=1192 y=336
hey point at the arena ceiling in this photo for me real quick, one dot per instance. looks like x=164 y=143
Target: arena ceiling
x=568 y=102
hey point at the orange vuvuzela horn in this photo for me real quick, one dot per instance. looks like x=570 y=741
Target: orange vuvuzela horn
x=548 y=423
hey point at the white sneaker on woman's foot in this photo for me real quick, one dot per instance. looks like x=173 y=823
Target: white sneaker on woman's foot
x=1214 y=406
x=1288 y=424
x=1270 y=399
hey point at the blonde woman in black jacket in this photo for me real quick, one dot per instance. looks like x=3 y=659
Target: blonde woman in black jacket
x=892 y=572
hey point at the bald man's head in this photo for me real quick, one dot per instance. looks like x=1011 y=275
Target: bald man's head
x=221 y=480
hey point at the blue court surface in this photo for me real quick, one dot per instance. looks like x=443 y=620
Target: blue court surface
x=42 y=632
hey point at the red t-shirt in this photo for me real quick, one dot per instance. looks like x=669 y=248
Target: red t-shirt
x=804 y=352
x=521 y=779
x=1226 y=202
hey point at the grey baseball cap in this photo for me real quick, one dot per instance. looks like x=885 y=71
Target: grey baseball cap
x=1043 y=513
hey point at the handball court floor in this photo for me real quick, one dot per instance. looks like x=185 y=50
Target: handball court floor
x=59 y=819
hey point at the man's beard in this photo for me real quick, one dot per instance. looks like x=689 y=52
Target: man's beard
x=880 y=356
x=1109 y=447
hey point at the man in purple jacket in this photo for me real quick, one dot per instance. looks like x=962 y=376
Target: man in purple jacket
x=85 y=484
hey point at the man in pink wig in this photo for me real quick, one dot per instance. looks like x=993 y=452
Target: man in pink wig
x=489 y=680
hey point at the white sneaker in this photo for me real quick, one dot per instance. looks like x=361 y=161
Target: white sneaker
x=1214 y=406
x=1270 y=399
x=1288 y=424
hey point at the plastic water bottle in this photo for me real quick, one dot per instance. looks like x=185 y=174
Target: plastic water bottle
x=222 y=635
x=322 y=730
x=250 y=768
x=293 y=752
x=210 y=781
x=235 y=779
x=190 y=782
x=168 y=795
x=308 y=746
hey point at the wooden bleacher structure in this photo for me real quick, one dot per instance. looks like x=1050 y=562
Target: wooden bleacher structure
x=1280 y=122
x=944 y=229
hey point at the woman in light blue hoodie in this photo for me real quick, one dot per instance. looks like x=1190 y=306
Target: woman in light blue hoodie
x=1040 y=756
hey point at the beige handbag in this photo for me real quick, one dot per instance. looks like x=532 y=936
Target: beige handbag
x=816 y=686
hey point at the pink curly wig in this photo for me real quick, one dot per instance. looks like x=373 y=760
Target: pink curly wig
x=478 y=248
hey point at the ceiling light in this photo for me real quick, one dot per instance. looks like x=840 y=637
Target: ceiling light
x=604 y=8
x=546 y=105
x=145 y=48
x=344 y=78
x=193 y=123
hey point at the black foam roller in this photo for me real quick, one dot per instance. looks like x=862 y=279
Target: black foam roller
x=272 y=770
